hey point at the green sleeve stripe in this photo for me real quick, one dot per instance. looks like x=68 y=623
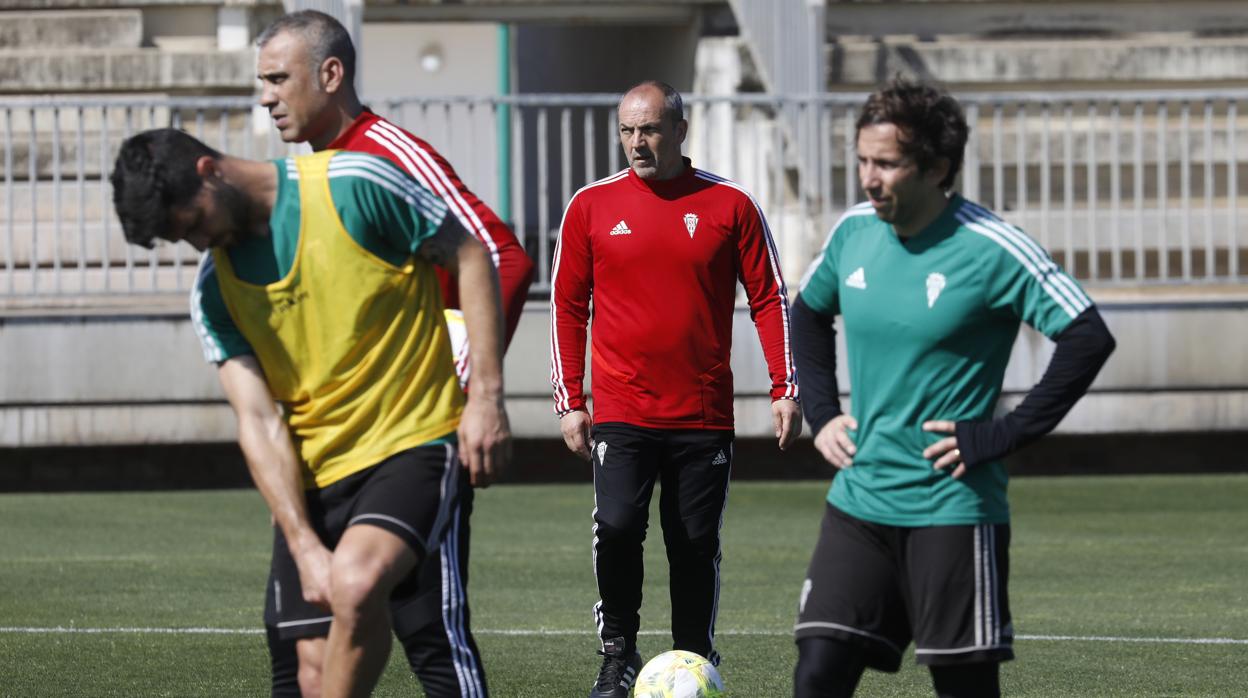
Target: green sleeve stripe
x=394 y=180
x=1037 y=252
x=1060 y=288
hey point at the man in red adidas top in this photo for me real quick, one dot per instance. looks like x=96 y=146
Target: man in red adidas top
x=306 y=65
x=660 y=248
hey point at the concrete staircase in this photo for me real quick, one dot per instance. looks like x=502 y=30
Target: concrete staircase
x=144 y=46
x=88 y=50
x=1039 y=44
x=1173 y=160
x=81 y=29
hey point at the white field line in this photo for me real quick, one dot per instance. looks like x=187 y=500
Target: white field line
x=552 y=632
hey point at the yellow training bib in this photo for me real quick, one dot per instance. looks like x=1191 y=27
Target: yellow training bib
x=354 y=347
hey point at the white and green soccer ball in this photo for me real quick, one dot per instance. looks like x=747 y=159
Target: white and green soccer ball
x=678 y=674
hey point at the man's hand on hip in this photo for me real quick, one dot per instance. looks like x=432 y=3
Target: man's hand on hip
x=575 y=427
x=786 y=417
x=945 y=452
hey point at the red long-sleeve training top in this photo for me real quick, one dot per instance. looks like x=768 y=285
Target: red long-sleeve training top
x=372 y=134
x=661 y=260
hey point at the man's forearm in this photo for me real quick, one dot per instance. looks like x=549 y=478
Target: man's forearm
x=1081 y=351
x=814 y=351
x=479 y=299
x=271 y=460
x=265 y=440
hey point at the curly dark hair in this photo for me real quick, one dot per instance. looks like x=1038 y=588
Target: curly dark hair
x=931 y=123
x=154 y=172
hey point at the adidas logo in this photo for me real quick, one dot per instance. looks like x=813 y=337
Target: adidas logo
x=858 y=279
x=720 y=459
x=621 y=228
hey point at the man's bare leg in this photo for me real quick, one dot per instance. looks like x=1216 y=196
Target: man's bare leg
x=311 y=652
x=368 y=563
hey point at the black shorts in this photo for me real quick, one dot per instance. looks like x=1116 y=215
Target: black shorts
x=945 y=587
x=411 y=494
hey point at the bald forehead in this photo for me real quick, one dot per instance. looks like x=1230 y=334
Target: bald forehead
x=647 y=95
x=641 y=104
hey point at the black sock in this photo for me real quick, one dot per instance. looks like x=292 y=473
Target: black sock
x=285 y=663
x=827 y=668
x=980 y=680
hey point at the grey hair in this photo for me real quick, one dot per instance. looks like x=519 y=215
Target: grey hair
x=324 y=36
x=673 y=105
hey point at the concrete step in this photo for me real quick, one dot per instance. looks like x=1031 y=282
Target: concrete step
x=24 y=287
x=71 y=154
x=1043 y=63
x=43 y=244
x=539 y=11
x=90 y=378
x=81 y=29
x=114 y=70
x=930 y=18
x=70 y=264
x=110 y=4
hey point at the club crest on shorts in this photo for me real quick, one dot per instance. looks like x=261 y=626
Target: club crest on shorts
x=806 y=587
x=935 y=284
x=691 y=223
x=601 y=449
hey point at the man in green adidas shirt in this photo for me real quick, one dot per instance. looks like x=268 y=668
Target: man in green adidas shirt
x=931 y=289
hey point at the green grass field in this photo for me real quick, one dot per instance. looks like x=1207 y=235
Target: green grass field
x=1107 y=572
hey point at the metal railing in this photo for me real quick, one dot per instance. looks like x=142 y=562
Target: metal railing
x=1131 y=188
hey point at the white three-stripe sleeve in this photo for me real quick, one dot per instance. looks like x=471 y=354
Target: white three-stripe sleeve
x=773 y=260
x=1025 y=276
x=384 y=174
x=425 y=168
x=219 y=337
x=569 y=307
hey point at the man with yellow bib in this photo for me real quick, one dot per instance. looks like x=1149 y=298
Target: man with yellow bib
x=319 y=305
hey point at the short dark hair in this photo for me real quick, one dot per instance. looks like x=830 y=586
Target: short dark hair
x=931 y=123
x=673 y=105
x=154 y=172
x=324 y=36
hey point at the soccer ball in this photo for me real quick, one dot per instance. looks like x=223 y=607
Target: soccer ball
x=678 y=674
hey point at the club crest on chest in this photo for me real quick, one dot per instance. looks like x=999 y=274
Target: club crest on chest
x=691 y=223
x=935 y=284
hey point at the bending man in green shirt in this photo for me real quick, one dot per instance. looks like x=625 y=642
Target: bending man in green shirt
x=317 y=292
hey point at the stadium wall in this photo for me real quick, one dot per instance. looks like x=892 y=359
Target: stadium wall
x=74 y=379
